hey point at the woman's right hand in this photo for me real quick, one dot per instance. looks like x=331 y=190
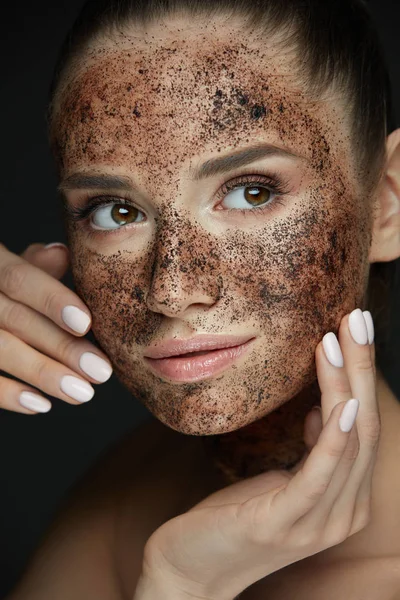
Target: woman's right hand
x=40 y=321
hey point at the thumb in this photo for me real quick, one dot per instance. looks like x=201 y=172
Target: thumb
x=53 y=260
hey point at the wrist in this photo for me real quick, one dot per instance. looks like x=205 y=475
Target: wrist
x=151 y=588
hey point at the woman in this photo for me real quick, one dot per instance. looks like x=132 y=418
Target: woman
x=228 y=178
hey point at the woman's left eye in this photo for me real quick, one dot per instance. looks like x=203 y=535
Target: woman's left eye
x=249 y=196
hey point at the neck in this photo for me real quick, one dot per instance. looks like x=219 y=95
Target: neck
x=273 y=442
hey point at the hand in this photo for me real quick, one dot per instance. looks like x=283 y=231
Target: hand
x=36 y=345
x=245 y=532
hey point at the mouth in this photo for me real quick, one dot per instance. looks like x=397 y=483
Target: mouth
x=199 y=365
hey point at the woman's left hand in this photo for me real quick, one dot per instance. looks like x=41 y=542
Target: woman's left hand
x=246 y=531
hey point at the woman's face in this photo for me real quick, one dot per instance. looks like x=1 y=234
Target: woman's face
x=279 y=258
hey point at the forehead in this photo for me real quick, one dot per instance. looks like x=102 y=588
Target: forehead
x=158 y=100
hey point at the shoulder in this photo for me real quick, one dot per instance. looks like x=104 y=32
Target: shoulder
x=375 y=578
x=107 y=517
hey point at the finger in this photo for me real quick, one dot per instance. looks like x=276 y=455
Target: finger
x=11 y=399
x=357 y=492
x=80 y=355
x=335 y=511
x=54 y=260
x=41 y=372
x=309 y=485
x=371 y=336
x=312 y=431
x=334 y=385
x=30 y=285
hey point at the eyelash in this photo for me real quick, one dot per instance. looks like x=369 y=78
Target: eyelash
x=274 y=183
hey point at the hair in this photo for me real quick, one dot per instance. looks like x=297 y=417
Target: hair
x=336 y=47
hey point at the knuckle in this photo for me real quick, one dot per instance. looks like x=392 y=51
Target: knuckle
x=316 y=489
x=371 y=429
x=338 y=534
x=67 y=349
x=51 y=302
x=15 y=315
x=4 y=390
x=351 y=452
x=307 y=538
x=340 y=386
x=361 y=520
x=334 y=451
x=363 y=363
x=13 y=276
x=5 y=339
x=40 y=372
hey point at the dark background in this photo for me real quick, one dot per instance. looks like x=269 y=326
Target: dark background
x=42 y=456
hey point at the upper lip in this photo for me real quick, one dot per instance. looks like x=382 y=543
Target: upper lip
x=199 y=343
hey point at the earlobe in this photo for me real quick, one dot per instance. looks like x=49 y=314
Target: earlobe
x=385 y=245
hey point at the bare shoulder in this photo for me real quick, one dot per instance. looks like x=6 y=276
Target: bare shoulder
x=375 y=578
x=104 y=522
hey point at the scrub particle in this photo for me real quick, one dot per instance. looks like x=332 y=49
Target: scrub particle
x=153 y=110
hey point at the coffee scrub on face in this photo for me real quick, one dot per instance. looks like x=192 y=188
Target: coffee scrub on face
x=172 y=261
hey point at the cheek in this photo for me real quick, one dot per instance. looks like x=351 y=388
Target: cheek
x=112 y=288
x=301 y=275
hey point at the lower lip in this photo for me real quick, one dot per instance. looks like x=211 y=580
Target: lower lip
x=199 y=367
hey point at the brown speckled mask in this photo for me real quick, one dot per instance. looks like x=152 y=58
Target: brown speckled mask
x=277 y=248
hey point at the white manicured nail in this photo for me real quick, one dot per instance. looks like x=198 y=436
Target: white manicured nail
x=332 y=349
x=349 y=414
x=34 y=402
x=358 y=327
x=76 y=388
x=95 y=366
x=370 y=326
x=75 y=318
x=55 y=245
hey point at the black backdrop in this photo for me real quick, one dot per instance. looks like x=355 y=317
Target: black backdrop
x=41 y=456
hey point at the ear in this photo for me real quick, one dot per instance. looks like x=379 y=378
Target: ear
x=385 y=245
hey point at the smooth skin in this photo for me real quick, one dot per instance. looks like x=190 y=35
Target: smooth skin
x=35 y=343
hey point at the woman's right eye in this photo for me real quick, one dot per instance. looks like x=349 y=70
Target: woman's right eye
x=113 y=216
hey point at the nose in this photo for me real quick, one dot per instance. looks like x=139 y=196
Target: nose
x=183 y=278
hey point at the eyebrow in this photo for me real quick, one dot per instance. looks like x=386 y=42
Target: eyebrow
x=210 y=168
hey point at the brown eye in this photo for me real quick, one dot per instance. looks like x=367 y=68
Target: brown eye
x=123 y=215
x=256 y=195
x=115 y=215
x=248 y=197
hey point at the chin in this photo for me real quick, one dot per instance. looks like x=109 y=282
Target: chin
x=216 y=405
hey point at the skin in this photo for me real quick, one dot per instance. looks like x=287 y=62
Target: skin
x=150 y=105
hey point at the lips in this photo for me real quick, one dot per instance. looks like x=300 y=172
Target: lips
x=200 y=344
x=199 y=365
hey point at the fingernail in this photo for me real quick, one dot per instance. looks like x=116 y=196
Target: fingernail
x=34 y=402
x=76 y=388
x=95 y=367
x=54 y=245
x=332 y=349
x=349 y=414
x=75 y=318
x=358 y=327
x=370 y=326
